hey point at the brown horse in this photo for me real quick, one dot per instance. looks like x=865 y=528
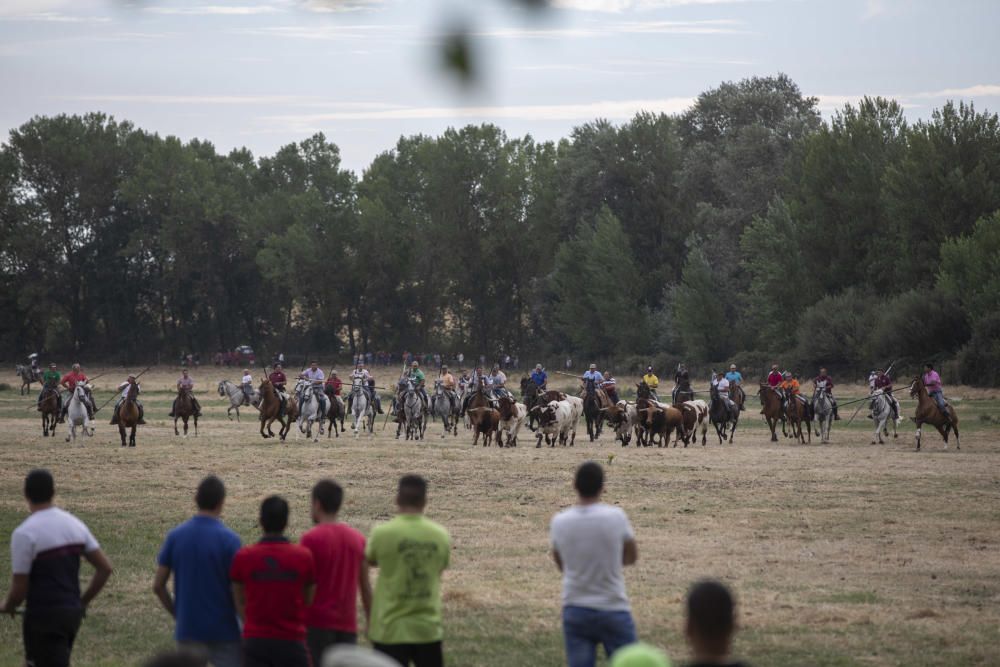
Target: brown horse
x=49 y=407
x=770 y=400
x=928 y=412
x=184 y=409
x=270 y=407
x=799 y=412
x=335 y=414
x=128 y=414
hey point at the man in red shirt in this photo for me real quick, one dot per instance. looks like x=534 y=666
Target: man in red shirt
x=273 y=582
x=338 y=552
x=69 y=381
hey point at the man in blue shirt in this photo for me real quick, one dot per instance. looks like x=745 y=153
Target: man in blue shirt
x=735 y=379
x=539 y=376
x=199 y=553
x=593 y=374
x=734 y=375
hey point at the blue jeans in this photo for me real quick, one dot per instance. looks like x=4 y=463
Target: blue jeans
x=584 y=629
x=938 y=397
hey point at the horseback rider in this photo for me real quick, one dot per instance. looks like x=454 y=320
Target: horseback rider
x=736 y=382
x=825 y=383
x=124 y=388
x=789 y=387
x=186 y=383
x=775 y=377
x=417 y=378
x=246 y=384
x=448 y=385
x=70 y=380
x=50 y=383
x=882 y=382
x=497 y=381
x=652 y=382
x=539 y=377
x=932 y=381
x=721 y=386
x=592 y=375
x=477 y=380
x=33 y=364
x=610 y=387
x=314 y=375
x=682 y=383
x=333 y=386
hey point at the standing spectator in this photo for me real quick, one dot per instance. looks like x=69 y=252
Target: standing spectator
x=711 y=623
x=45 y=571
x=199 y=553
x=338 y=553
x=273 y=583
x=411 y=552
x=591 y=542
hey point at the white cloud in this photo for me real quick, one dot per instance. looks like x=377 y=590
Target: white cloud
x=619 y=6
x=211 y=100
x=53 y=17
x=980 y=90
x=712 y=27
x=215 y=10
x=337 y=6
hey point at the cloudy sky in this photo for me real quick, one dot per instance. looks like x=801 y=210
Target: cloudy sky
x=263 y=73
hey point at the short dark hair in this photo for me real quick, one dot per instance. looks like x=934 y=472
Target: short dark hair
x=710 y=611
x=929 y=365
x=589 y=479
x=274 y=514
x=412 y=491
x=39 y=487
x=211 y=492
x=329 y=494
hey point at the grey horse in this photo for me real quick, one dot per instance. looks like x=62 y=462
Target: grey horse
x=361 y=409
x=236 y=398
x=442 y=407
x=413 y=414
x=882 y=416
x=823 y=409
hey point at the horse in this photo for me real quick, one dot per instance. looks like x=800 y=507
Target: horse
x=682 y=393
x=184 y=409
x=882 y=416
x=643 y=400
x=362 y=410
x=28 y=376
x=442 y=407
x=770 y=401
x=128 y=414
x=310 y=409
x=50 y=411
x=270 y=408
x=737 y=395
x=529 y=396
x=237 y=398
x=334 y=414
x=823 y=409
x=77 y=414
x=928 y=412
x=592 y=410
x=412 y=412
x=512 y=416
x=798 y=412
x=722 y=416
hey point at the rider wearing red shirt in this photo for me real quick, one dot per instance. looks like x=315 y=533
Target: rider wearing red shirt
x=69 y=381
x=277 y=378
x=333 y=385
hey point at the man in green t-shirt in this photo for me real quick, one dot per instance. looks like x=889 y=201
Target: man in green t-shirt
x=50 y=383
x=411 y=552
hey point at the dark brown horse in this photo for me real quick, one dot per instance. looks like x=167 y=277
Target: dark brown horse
x=335 y=414
x=128 y=414
x=49 y=407
x=184 y=409
x=928 y=412
x=799 y=412
x=770 y=400
x=270 y=409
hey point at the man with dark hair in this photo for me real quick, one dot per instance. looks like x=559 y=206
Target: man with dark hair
x=591 y=542
x=273 y=582
x=199 y=553
x=411 y=552
x=338 y=553
x=710 y=625
x=45 y=571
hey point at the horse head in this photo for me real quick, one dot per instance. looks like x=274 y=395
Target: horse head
x=915 y=386
x=222 y=387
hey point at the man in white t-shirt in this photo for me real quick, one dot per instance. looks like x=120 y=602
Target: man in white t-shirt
x=45 y=571
x=591 y=544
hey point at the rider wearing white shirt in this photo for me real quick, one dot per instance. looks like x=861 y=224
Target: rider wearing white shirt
x=721 y=385
x=316 y=377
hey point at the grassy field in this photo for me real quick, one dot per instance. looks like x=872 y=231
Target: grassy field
x=841 y=554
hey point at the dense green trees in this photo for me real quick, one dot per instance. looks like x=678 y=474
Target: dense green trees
x=746 y=226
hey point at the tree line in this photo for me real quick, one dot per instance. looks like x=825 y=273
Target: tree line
x=746 y=228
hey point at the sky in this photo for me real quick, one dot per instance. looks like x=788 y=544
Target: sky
x=265 y=73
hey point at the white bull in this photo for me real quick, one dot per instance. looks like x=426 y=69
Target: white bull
x=558 y=420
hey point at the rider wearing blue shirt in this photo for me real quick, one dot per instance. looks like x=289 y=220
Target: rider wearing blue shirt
x=539 y=376
x=734 y=375
x=593 y=374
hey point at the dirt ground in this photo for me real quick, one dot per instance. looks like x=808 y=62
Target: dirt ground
x=840 y=554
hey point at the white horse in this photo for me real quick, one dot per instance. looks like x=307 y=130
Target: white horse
x=361 y=409
x=823 y=408
x=441 y=407
x=311 y=408
x=236 y=397
x=77 y=413
x=882 y=416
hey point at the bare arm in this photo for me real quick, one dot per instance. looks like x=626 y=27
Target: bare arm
x=160 y=589
x=309 y=592
x=102 y=571
x=239 y=599
x=631 y=552
x=365 y=586
x=18 y=592
x=557 y=559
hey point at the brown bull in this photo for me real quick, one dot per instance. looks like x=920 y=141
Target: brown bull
x=662 y=421
x=485 y=421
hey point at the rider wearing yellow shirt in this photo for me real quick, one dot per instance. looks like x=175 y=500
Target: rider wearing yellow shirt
x=651 y=381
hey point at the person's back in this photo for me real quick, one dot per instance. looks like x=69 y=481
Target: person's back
x=198 y=554
x=411 y=552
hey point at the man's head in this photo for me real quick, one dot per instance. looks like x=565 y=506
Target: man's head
x=76 y=367
x=412 y=493
x=274 y=515
x=210 y=495
x=774 y=367
x=732 y=367
x=313 y=365
x=39 y=487
x=444 y=369
x=880 y=372
x=327 y=496
x=414 y=365
x=52 y=366
x=593 y=367
x=333 y=373
x=246 y=371
x=277 y=367
x=589 y=481
x=822 y=371
x=720 y=374
x=928 y=366
x=711 y=619
x=184 y=372
x=131 y=378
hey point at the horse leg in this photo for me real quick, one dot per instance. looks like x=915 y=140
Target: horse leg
x=175 y=426
x=196 y=426
x=733 y=432
x=131 y=436
x=917 y=436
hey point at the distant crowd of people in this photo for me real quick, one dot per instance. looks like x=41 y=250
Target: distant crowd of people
x=276 y=603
